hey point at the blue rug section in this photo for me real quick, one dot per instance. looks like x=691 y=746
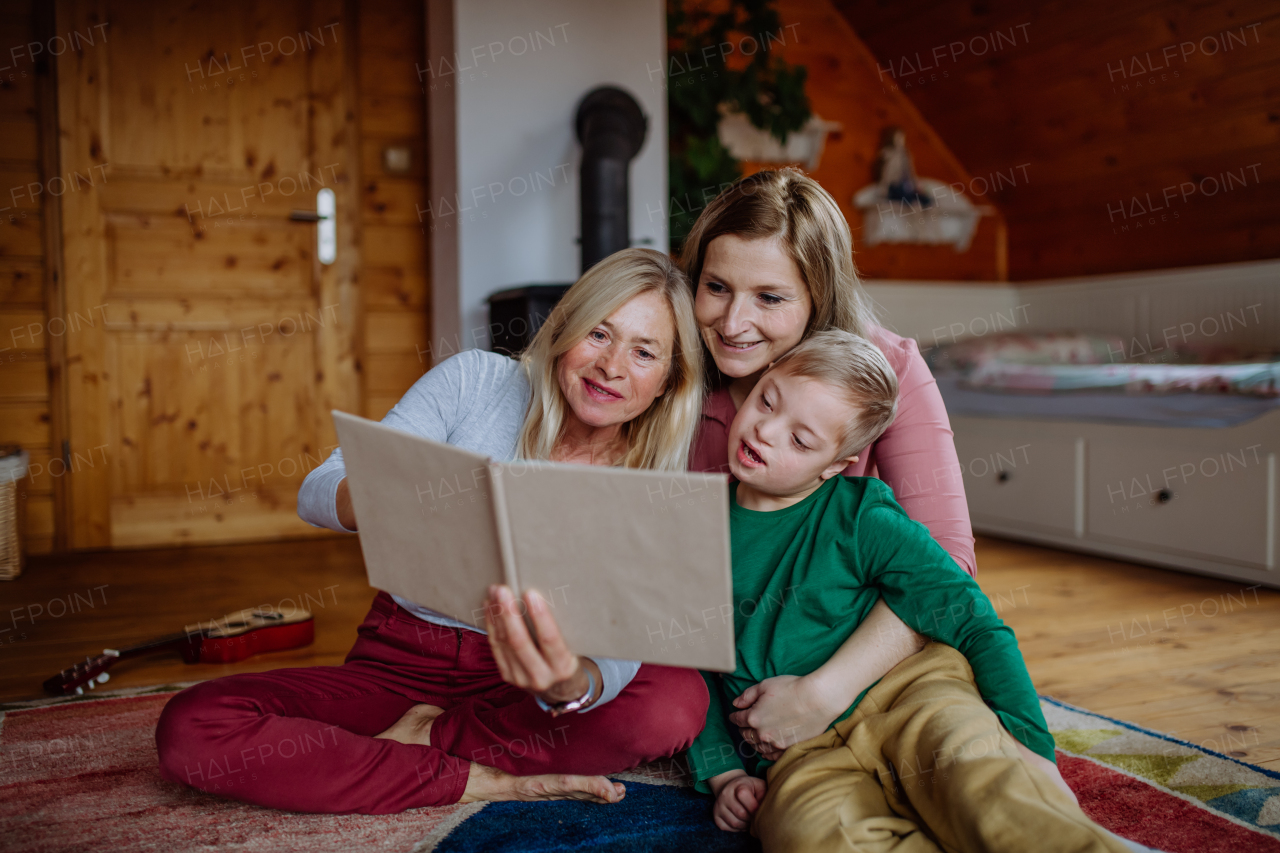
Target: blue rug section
x=651 y=819
x=1246 y=804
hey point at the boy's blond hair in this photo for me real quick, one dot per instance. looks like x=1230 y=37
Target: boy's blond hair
x=856 y=367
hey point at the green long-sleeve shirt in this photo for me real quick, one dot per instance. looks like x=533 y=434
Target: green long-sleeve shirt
x=805 y=577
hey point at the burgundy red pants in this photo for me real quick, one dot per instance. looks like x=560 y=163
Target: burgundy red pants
x=302 y=739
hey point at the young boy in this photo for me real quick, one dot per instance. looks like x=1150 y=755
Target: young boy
x=919 y=762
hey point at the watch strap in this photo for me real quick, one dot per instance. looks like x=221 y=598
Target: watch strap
x=574 y=704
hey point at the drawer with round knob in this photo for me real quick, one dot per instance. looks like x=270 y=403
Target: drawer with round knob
x=1017 y=475
x=1207 y=499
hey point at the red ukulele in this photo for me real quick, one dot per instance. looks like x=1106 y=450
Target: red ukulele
x=227 y=640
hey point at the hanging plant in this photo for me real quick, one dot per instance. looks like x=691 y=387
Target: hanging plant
x=724 y=61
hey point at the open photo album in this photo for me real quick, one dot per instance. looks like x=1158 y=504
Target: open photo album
x=635 y=564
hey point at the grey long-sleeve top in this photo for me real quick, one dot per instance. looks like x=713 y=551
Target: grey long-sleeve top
x=475 y=400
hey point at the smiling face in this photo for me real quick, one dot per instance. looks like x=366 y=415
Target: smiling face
x=752 y=304
x=616 y=372
x=786 y=438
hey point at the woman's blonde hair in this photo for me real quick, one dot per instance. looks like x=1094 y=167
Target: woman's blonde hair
x=788 y=205
x=661 y=436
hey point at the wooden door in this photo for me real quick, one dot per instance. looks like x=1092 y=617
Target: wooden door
x=206 y=342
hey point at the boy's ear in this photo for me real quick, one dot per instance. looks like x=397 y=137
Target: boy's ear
x=837 y=466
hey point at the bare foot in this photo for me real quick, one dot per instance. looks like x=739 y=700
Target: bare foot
x=487 y=783
x=414 y=726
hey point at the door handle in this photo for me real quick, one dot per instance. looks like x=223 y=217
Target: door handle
x=325 y=216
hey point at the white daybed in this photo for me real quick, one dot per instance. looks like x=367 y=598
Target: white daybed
x=1185 y=481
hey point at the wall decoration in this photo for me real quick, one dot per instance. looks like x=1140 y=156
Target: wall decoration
x=903 y=208
x=745 y=141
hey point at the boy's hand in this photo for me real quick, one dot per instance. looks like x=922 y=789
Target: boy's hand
x=782 y=711
x=738 y=796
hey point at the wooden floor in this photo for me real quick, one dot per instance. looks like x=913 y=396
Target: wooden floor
x=1190 y=656
x=139 y=595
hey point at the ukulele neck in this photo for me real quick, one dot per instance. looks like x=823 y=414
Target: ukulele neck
x=159 y=644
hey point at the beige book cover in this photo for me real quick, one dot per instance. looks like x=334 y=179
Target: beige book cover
x=634 y=563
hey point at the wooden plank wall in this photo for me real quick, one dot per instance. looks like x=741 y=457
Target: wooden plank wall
x=24 y=326
x=843 y=85
x=1111 y=104
x=394 y=244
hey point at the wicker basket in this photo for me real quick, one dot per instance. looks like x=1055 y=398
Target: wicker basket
x=13 y=467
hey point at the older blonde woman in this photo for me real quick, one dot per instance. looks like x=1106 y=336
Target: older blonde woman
x=429 y=711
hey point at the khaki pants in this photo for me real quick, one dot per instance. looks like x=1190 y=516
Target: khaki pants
x=922 y=765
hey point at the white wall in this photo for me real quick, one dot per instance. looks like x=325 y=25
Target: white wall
x=520 y=70
x=942 y=312
x=1236 y=305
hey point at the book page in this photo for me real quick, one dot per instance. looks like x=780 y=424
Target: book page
x=634 y=563
x=425 y=515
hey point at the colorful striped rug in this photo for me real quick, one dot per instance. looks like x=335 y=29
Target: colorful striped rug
x=1161 y=791
x=81 y=775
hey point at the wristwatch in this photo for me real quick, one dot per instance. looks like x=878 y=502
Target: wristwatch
x=573 y=705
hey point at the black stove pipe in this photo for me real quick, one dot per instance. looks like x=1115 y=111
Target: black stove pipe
x=611 y=128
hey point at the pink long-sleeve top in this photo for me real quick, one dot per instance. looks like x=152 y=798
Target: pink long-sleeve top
x=916 y=456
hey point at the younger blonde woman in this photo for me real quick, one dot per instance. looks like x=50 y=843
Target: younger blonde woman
x=771 y=263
